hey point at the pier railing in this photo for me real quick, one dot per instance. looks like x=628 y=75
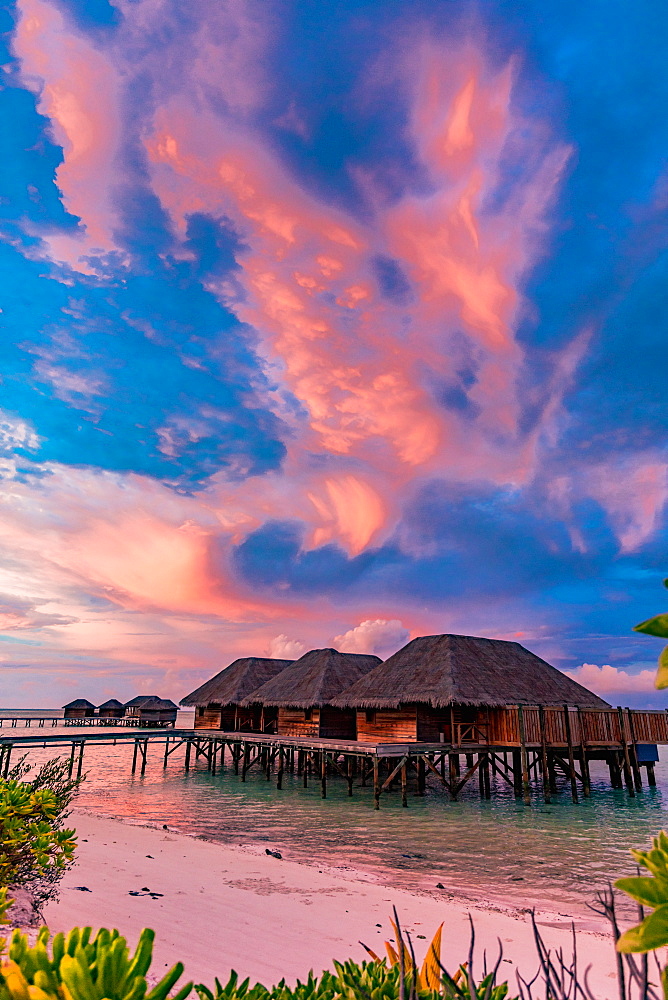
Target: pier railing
x=531 y=725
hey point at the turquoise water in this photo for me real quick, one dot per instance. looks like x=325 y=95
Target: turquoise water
x=554 y=856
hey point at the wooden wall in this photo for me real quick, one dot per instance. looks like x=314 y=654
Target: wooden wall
x=292 y=722
x=208 y=717
x=387 y=725
x=338 y=723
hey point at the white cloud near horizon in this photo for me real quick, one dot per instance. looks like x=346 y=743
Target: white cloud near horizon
x=606 y=679
x=282 y=648
x=373 y=636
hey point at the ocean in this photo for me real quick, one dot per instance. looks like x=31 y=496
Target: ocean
x=552 y=856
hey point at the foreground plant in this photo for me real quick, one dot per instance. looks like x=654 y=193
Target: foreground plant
x=658 y=625
x=82 y=967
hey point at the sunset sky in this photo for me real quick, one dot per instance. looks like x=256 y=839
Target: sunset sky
x=330 y=323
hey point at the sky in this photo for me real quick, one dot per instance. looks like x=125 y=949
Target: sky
x=330 y=324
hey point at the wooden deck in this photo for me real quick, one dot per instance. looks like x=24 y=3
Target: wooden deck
x=528 y=750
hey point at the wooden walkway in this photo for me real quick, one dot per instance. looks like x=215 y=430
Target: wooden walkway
x=529 y=769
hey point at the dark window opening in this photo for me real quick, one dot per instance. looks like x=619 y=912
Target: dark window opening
x=308 y=714
x=370 y=716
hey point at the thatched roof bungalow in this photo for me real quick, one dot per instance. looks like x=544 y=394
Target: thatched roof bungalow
x=303 y=693
x=217 y=702
x=80 y=708
x=151 y=710
x=112 y=709
x=448 y=687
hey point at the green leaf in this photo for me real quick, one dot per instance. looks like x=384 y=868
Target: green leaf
x=654 y=626
x=648 y=891
x=652 y=933
x=661 y=679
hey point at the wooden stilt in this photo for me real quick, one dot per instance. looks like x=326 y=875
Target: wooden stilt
x=188 y=748
x=547 y=791
x=244 y=766
x=524 y=758
x=80 y=763
x=305 y=769
x=376 y=783
x=421 y=782
x=8 y=757
x=469 y=760
x=134 y=758
x=651 y=777
x=214 y=756
x=164 y=759
x=453 y=776
x=404 y=783
x=584 y=763
x=633 y=753
x=487 y=787
x=481 y=779
x=281 y=763
x=144 y=756
x=517 y=773
x=626 y=761
x=350 y=773
x=571 y=758
x=323 y=775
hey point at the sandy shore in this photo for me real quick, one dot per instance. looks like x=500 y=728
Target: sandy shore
x=223 y=908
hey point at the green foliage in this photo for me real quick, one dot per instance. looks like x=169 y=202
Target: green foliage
x=35 y=848
x=31 y=842
x=83 y=967
x=652 y=932
x=658 y=626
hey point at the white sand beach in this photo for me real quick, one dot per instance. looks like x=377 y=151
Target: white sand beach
x=223 y=908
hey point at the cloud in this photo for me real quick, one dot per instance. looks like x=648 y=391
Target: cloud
x=379 y=637
x=282 y=648
x=606 y=679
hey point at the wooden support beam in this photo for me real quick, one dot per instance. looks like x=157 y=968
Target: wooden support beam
x=281 y=763
x=144 y=755
x=323 y=775
x=524 y=758
x=495 y=759
x=80 y=763
x=8 y=757
x=245 y=765
x=350 y=774
x=134 y=759
x=626 y=761
x=571 y=758
x=164 y=759
x=584 y=763
x=214 y=755
x=517 y=773
x=487 y=787
x=376 y=783
x=651 y=777
x=633 y=753
x=453 y=775
x=188 y=749
x=404 y=782
x=388 y=781
x=421 y=777
x=545 y=770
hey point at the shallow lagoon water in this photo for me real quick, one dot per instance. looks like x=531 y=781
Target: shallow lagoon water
x=552 y=856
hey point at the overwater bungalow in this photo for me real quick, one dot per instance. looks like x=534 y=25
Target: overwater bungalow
x=457 y=689
x=80 y=708
x=111 y=709
x=218 y=702
x=302 y=694
x=151 y=710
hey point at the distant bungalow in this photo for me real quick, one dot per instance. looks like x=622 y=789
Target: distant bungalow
x=440 y=688
x=151 y=710
x=302 y=695
x=80 y=708
x=112 y=709
x=218 y=702
x=451 y=688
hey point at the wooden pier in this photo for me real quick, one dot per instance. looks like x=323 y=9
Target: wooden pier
x=51 y=721
x=538 y=746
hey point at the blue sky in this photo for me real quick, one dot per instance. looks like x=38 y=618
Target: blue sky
x=329 y=324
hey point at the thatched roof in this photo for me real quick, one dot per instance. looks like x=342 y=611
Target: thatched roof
x=440 y=670
x=79 y=703
x=236 y=682
x=112 y=703
x=150 y=701
x=313 y=680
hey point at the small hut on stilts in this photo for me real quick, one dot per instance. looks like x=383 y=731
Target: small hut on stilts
x=218 y=702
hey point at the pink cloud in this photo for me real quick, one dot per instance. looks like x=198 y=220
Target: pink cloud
x=283 y=648
x=606 y=679
x=377 y=636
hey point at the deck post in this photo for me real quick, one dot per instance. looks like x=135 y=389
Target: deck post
x=517 y=774
x=376 y=783
x=305 y=769
x=626 y=762
x=543 y=756
x=134 y=758
x=349 y=775
x=584 y=770
x=8 y=755
x=80 y=763
x=323 y=775
x=187 y=763
x=214 y=755
x=164 y=760
x=420 y=775
x=404 y=782
x=144 y=756
x=651 y=777
x=635 y=767
x=487 y=788
x=281 y=762
x=524 y=757
x=453 y=776
x=244 y=767
x=571 y=758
